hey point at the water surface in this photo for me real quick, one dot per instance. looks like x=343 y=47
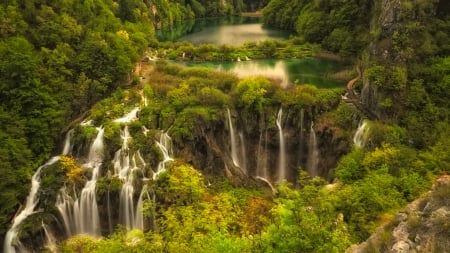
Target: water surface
x=231 y=31
x=288 y=71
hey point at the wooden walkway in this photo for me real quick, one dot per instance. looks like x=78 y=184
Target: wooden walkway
x=352 y=98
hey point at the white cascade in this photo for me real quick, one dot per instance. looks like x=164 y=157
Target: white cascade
x=282 y=155
x=65 y=206
x=31 y=203
x=67 y=143
x=259 y=157
x=165 y=145
x=313 y=153
x=50 y=240
x=131 y=116
x=360 y=135
x=234 y=155
x=243 y=154
x=87 y=220
x=139 y=216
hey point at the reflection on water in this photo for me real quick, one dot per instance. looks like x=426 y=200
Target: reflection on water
x=231 y=31
x=299 y=71
x=276 y=72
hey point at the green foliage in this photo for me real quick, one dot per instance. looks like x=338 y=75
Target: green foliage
x=253 y=93
x=308 y=219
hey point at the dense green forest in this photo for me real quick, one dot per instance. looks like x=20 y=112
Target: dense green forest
x=62 y=61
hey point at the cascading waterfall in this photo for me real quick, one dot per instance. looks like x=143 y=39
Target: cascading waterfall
x=124 y=169
x=131 y=116
x=65 y=206
x=31 y=203
x=81 y=215
x=165 y=145
x=313 y=153
x=360 y=135
x=234 y=155
x=87 y=220
x=282 y=155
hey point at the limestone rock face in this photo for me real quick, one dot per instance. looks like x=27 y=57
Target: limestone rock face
x=423 y=226
x=389 y=18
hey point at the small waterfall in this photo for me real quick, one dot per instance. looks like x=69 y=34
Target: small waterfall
x=67 y=143
x=243 y=154
x=110 y=223
x=282 y=155
x=139 y=216
x=87 y=219
x=313 y=153
x=165 y=145
x=31 y=203
x=65 y=206
x=234 y=155
x=121 y=160
x=360 y=136
x=302 y=136
x=126 y=206
x=131 y=116
x=50 y=240
x=259 y=155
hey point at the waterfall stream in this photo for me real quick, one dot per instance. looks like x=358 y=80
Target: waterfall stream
x=87 y=219
x=165 y=145
x=313 y=153
x=282 y=154
x=234 y=155
x=360 y=136
x=32 y=200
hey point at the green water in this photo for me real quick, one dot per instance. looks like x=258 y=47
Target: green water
x=238 y=30
x=299 y=71
x=231 y=31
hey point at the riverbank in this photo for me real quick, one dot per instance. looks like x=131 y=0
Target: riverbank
x=256 y=14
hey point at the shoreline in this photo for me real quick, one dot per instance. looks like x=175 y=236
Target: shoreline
x=256 y=14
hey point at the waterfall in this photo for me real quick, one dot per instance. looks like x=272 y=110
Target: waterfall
x=126 y=206
x=234 y=155
x=50 y=240
x=360 y=135
x=67 y=143
x=243 y=154
x=165 y=145
x=139 y=216
x=87 y=220
x=131 y=116
x=282 y=155
x=121 y=160
x=65 y=206
x=302 y=134
x=313 y=153
x=31 y=203
x=259 y=155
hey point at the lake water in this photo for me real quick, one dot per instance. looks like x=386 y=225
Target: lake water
x=299 y=71
x=232 y=31
x=236 y=31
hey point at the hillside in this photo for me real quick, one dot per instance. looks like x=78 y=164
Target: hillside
x=150 y=156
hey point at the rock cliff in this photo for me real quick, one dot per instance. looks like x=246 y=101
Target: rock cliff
x=423 y=226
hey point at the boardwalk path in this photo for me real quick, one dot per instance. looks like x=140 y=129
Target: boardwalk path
x=353 y=98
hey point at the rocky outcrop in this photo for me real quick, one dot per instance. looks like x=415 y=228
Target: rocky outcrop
x=423 y=226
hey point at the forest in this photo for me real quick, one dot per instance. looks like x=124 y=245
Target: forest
x=76 y=72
